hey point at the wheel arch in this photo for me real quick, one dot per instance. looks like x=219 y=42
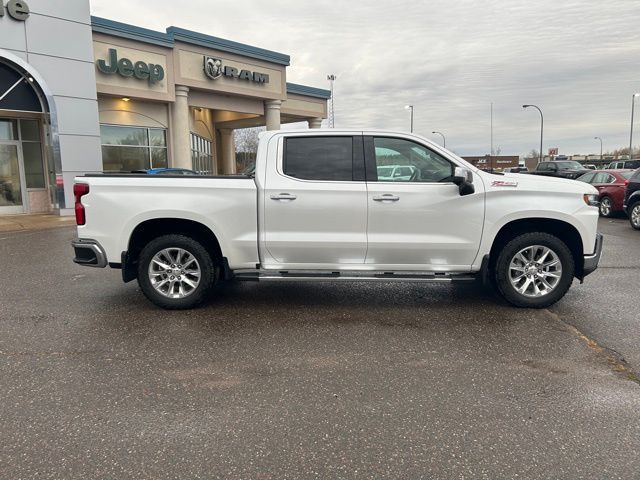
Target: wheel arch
x=558 y=228
x=633 y=198
x=147 y=230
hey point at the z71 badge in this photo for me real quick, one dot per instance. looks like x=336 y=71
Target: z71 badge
x=504 y=183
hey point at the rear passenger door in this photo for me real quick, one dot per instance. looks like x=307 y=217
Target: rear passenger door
x=315 y=203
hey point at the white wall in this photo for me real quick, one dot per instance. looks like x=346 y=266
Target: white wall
x=56 y=42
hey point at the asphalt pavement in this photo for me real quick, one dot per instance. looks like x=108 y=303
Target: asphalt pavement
x=304 y=380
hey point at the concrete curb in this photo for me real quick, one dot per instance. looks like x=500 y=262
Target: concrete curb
x=20 y=223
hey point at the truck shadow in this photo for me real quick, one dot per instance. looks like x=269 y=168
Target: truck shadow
x=350 y=294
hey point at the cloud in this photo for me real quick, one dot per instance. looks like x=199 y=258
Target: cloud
x=577 y=60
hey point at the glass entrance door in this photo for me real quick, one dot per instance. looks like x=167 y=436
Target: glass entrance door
x=11 y=191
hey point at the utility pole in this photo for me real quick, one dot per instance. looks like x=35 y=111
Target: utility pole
x=492 y=128
x=633 y=103
x=332 y=112
x=410 y=107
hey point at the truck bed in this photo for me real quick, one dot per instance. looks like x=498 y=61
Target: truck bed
x=118 y=203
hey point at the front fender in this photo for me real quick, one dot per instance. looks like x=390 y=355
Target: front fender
x=506 y=207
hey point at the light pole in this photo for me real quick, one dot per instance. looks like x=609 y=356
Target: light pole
x=633 y=103
x=598 y=138
x=410 y=107
x=541 y=127
x=332 y=115
x=444 y=140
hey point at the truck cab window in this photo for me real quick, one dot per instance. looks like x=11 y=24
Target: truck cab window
x=400 y=160
x=319 y=158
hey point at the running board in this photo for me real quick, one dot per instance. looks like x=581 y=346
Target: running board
x=371 y=276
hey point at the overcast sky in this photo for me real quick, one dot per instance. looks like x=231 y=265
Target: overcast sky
x=578 y=60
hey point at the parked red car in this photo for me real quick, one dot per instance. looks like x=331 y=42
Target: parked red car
x=611 y=185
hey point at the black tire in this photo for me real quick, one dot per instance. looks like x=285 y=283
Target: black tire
x=501 y=271
x=634 y=215
x=209 y=272
x=607 y=204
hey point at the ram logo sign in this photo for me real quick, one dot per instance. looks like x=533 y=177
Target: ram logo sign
x=214 y=69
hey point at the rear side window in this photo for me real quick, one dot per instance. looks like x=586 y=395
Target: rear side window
x=587 y=178
x=319 y=158
x=601 y=177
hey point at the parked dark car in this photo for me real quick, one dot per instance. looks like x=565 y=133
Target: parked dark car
x=632 y=200
x=561 y=169
x=611 y=187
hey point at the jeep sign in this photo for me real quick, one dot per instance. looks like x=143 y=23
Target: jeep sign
x=126 y=68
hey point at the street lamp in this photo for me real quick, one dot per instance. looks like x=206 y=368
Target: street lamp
x=410 y=107
x=541 y=126
x=598 y=138
x=633 y=103
x=332 y=114
x=444 y=140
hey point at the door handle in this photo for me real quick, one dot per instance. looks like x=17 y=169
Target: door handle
x=387 y=197
x=283 y=196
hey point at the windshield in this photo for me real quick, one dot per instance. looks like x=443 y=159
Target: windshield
x=569 y=166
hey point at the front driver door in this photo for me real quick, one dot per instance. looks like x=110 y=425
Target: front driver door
x=420 y=222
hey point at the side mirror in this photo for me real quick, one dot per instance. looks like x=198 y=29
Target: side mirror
x=464 y=179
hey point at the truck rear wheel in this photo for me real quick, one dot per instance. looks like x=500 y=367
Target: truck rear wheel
x=534 y=270
x=176 y=272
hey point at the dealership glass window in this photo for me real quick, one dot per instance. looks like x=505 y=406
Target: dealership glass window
x=202 y=154
x=319 y=158
x=8 y=130
x=28 y=133
x=125 y=149
x=400 y=160
x=32 y=153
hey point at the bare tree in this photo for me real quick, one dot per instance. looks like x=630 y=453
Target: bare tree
x=533 y=154
x=246 y=140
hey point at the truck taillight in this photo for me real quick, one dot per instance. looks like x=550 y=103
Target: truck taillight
x=79 y=190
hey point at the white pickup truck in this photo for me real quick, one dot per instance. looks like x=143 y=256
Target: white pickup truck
x=316 y=208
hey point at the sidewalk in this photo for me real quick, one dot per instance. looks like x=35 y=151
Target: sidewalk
x=17 y=223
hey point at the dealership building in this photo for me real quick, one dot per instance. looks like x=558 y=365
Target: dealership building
x=83 y=94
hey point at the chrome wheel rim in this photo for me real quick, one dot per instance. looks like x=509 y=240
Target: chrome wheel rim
x=535 y=271
x=605 y=207
x=635 y=216
x=174 y=273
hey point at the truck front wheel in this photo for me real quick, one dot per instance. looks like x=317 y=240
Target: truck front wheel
x=534 y=270
x=176 y=272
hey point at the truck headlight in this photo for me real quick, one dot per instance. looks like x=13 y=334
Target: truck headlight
x=591 y=199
